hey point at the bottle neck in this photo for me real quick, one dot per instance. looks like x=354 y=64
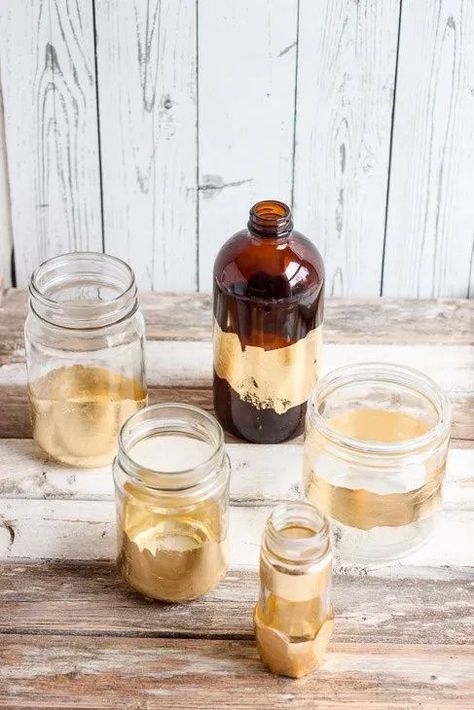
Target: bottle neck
x=297 y=533
x=270 y=219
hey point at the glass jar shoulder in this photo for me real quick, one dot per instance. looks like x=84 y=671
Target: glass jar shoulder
x=269 y=269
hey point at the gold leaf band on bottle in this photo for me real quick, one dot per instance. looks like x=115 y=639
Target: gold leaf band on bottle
x=295 y=587
x=363 y=509
x=291 y=658
x=276 y=379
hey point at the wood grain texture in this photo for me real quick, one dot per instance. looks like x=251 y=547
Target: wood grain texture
x=181 y=316
x=55 y=529
x=49 y=85
x=90 y=599
x=182 y=371
x=5 y=215
x=261 y=475
x=247 y=66
x=146 y=54
x=346 y=69
x=430 y=238
x=55 y=671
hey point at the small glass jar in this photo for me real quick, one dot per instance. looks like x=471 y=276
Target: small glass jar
x=172 y=494
x=293 y=617
x=84 y=343
x=375 y=453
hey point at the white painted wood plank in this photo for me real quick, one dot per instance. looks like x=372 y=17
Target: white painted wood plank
x=66 y=529
x=185 y=364
x=5 y=216
x=48 y=78
x=260 y=475
x=146 y=53
x=430 y=235
x=247 y=66
x=346 y=71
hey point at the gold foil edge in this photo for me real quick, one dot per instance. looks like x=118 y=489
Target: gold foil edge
x=363 y=509
x=295 y=587
x=291 y=658
x=276 y=379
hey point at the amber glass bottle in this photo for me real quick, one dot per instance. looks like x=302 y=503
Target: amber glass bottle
x=268 y=313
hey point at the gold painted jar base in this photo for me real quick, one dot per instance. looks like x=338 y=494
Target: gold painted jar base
x=77 y=413
x=290 y=658
x=179 y=570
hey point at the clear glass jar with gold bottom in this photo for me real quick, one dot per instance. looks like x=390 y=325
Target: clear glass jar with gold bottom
x=293 y=617
x=375 y=453
x=172 y=495
x=84 y=343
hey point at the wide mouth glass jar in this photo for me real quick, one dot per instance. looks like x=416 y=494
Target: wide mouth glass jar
x=293 y=617
x=375 y=453
x=172 y=494
x=84 y=343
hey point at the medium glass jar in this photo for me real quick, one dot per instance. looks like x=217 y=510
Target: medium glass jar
x=293 y=617
x=84 y=343
x=172 y=494
x=375 y=453
x=267 y=332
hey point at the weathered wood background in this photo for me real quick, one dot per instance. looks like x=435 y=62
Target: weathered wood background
x=148 y=127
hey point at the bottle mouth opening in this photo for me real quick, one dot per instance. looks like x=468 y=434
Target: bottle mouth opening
x=297 y=530
x=83 y=290
x=183 y=421
x=388 y=387
x=270 y=218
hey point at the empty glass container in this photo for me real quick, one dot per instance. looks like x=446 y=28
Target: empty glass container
x=84 y=343
x=375 y=457
x=172 y=493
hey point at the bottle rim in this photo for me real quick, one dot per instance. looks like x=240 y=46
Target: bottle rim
x=94 y=269
x=270 y=218
x=173 y=418
x=390 y=374
x=298 y=513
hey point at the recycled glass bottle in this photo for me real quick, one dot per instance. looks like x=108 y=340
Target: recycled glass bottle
x=268 y=313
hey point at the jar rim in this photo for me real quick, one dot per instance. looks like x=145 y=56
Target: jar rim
x=145 y=424
x=86 y=315
x=381 y=372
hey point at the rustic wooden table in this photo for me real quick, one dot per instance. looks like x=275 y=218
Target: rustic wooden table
x=73 y=636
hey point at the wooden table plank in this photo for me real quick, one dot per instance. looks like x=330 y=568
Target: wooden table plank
x=181 y=371
x=83 y=530
x=261 y=475
x=64 y=513
x=56 y=671
x=180 y=316
x=88 y=598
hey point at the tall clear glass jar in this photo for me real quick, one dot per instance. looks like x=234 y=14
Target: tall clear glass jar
x=84 y=343
x=375 y=453
x=293 y=617
x=172 y=495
